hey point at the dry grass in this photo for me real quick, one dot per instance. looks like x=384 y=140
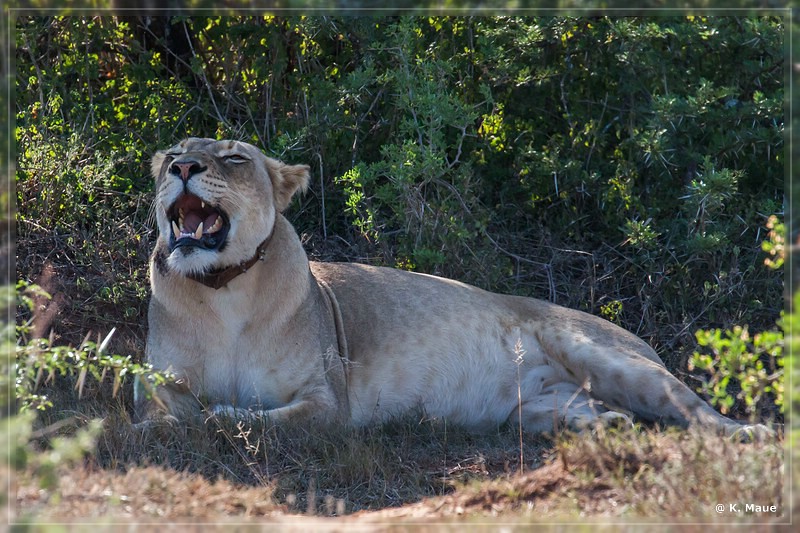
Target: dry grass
x=642 y=476
x=406 y=471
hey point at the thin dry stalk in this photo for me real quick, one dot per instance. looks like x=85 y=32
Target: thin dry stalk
x=519 y=352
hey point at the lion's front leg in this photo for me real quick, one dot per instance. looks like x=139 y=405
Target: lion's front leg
x=169 y=402
x=305 y=410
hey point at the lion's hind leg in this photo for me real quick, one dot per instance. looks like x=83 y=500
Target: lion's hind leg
x=562 y=406
x=629 y=379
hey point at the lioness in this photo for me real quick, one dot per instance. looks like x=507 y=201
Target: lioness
x=252 y=328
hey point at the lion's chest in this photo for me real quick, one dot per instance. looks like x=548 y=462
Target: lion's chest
x=248 y=368
x=238 y=375
x=227 y=358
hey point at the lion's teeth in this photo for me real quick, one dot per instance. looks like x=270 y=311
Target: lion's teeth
x=198 y=234
x=175 y=230
x=202 y=204
x=216 y=226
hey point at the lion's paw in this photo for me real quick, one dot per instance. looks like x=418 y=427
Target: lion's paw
x=607 y=419
x=156 y=424
x=230 y=412
x=752 y=433
x=616 y=419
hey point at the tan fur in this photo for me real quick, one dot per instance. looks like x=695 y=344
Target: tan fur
x=293 y=339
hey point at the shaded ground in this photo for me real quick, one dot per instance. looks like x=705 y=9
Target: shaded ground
x=607 y=477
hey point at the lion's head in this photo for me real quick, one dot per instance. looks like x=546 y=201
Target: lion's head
x=216 y=201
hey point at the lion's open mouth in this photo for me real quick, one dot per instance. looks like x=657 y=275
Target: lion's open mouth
x=196 y=223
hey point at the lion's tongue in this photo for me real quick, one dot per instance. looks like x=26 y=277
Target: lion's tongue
x=192 y=220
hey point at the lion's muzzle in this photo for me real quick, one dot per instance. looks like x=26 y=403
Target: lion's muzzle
x=196 y=223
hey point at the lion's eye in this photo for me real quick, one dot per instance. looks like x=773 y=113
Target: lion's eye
x=235 y=159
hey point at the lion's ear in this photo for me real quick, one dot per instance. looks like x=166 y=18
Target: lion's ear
x=286 y=180
x=156 y=162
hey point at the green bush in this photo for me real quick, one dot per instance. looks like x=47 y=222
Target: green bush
x=42 y=450
x=739 y=357
x=17 y=441
x=752 y=364
x=39 y=362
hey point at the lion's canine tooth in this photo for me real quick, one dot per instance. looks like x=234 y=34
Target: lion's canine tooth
x=175 y=230
x=202 y=204
x=198 y=234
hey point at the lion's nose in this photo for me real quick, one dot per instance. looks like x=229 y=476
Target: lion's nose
x=186 y=169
